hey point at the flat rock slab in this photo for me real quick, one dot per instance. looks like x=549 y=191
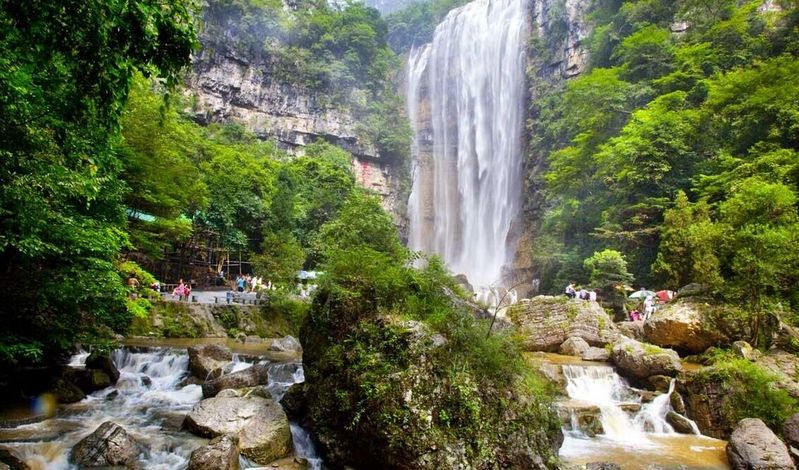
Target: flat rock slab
x=260 y=424
x=546 y=322
x=250 y=377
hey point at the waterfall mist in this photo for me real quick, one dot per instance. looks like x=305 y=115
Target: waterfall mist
x=465 y=98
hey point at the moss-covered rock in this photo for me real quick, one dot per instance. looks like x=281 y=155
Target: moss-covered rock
x=546 y=322
x=189 y=320
x=719 y=396
x=638 y=361
x=390 y=393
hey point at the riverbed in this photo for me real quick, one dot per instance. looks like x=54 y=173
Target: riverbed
x=634 y=440
x=150 y=401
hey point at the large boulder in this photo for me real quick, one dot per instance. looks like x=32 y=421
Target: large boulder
x=596 y=354
x=104 y=363
x=253 y=376
x=293 y=401
x=88 y=380
x=429 y=418
x=66 y=392
x=574 y=346
x=286 y=344
x=260 y=424
x=222 y=453
x=208 y=361
x=638 y=360
x=12 y=460
x=680 y=423
x=684 y=326
x=108 y=446
x=546 y=322
x=784 y=366
x=753 y=446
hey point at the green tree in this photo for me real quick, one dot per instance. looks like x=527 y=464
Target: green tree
x=762 y=227
x=688 y=246
x=159 y=150
x=646 y=54
x=362 y=222
x=281 y=258
x=66 y=71
x=607 y=270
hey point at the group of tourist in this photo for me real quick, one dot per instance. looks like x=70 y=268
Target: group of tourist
x=583 y=293
x=247 y=283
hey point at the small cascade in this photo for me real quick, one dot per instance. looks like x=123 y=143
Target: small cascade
x=79 y=359
x=238 y=364
x=652 y=417
x=304 y=446
x=605 y=420
x=603 y=388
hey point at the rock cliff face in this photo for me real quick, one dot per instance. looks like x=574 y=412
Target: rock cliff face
x=558 y=52
x=229 y=85
x=564 y=26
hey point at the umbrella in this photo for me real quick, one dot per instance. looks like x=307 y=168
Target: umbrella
x=641 y=294
x=665 y=295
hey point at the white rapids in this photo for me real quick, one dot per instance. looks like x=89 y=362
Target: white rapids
x=150 y=400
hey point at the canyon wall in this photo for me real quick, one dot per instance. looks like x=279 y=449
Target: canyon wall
x=228 y=84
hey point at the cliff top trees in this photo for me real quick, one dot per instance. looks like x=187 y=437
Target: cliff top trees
x=65 y=75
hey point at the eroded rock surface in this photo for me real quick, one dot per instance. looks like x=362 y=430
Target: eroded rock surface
x=684 y=326
x=255 y=375
x=638 y=360
x=260 y=424
x=222 y=453
x=108 y=446
x=574 y=346
x=546 y=322
x=208 y=361
x=753 y=446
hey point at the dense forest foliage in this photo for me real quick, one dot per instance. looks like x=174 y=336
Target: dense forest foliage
x=677 y=149
x=65 y=75
x=415 y=24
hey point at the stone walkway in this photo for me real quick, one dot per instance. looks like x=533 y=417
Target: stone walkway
x=215 y=296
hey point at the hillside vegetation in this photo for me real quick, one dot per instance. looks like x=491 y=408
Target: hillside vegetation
x=678 y=149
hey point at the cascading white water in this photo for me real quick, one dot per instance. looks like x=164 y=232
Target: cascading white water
x=149 y=395
x=601 y=386
x=468 y=140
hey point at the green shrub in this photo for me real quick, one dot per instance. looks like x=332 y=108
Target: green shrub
x=752 y=392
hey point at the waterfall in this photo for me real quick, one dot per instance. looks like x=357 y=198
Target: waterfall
x=465 y=98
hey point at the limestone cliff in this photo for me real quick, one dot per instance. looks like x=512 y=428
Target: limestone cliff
x=231 y=83
x=558 y=52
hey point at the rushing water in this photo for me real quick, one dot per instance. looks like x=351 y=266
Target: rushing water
x=468 y=136
x=643 y=439
x=149 y=401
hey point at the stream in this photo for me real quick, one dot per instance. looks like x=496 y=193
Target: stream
x=630 y=432
x=150 y=402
